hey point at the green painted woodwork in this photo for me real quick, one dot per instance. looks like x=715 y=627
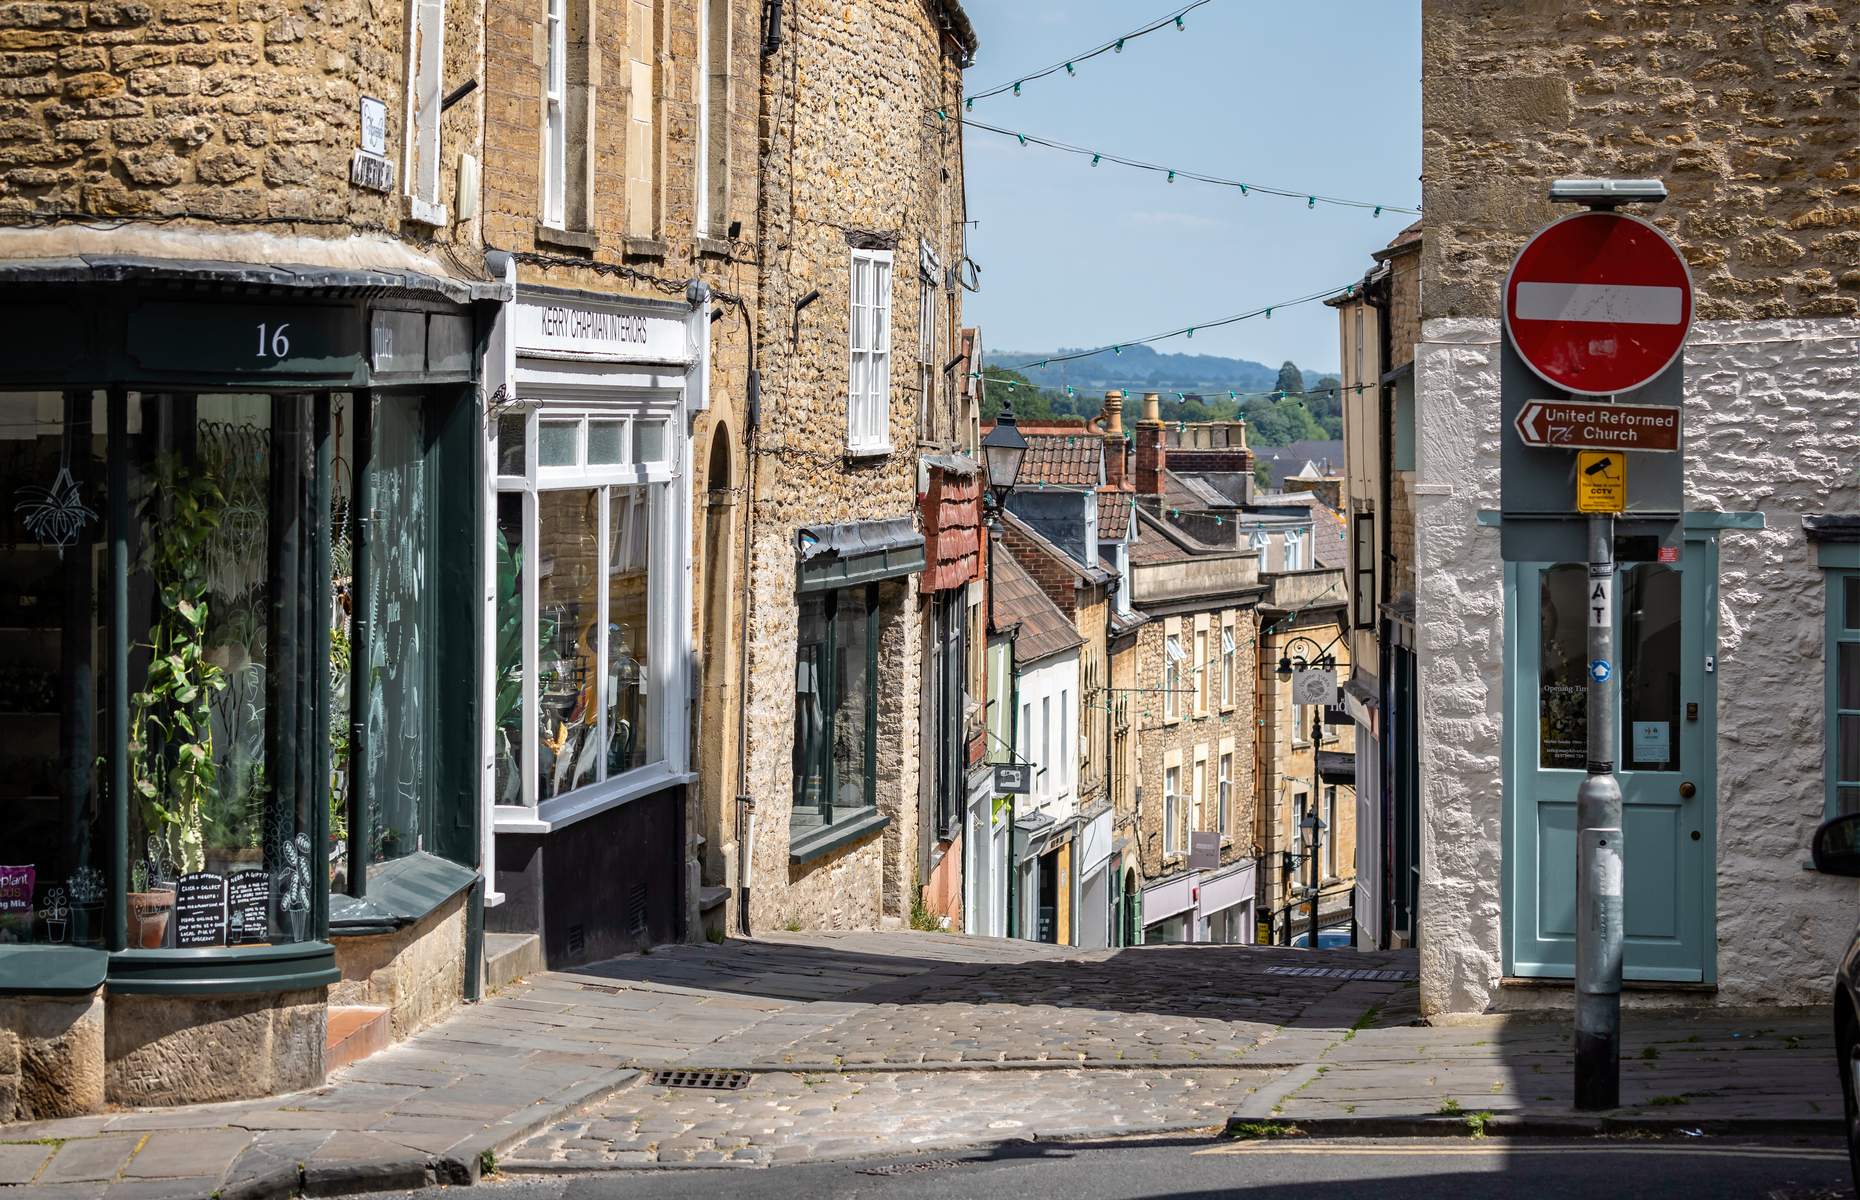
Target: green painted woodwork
x=1670 y=872
x=219 y=970
x=51 y=970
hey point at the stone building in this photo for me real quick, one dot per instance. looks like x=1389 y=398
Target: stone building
x=1193 y=669
x=1307 y=766
x=1747 y=113
x=1379 y=325
x=242 y=255
x=861 y=218
x=620 y=202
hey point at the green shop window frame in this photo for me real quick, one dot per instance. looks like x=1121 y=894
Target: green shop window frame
x=818 y=825
x=84 y=337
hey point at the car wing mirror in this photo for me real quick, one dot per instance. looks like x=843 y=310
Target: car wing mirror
x=1837 y=846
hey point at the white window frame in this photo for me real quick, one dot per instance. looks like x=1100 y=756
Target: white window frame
x=701 y=199
x=426 y=63
x=1295 y=549
x=1201 y=672
x=1194 y=794
x=555 y=117
x=659 y=479
x=1173 y=654
x=1049 y=768
x=1260 y=544
x=1172 y=810
x=1065 y=741
x=1229 y=652
x=1225 y=785
x=868 y=376
x=1329 y=817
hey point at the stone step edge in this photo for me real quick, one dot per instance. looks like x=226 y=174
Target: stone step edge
x=1012 y=1064
x=1541 y=1125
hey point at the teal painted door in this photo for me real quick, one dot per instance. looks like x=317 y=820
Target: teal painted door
x=1665 y=637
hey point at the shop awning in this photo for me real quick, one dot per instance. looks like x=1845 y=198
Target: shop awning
x=1335 y=766
x=834 y=556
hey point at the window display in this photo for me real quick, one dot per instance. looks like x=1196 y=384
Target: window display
x=572 y=620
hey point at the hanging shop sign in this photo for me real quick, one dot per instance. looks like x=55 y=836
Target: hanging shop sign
x=1314 y=687
x=1013 y=779
x=1204 y=849
x=550 y=327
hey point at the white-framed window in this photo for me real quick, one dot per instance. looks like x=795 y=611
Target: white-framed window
x=1202 y=671
x=1023 y=736
x=1260 y=544
x=868 y=392
x=582 y=608
x=1295 y=549
x=1194 y=792
x=1330 y=831
x=642 y=143
x=426 y=61
x=1172 y=810
x=713 y=123
x=1228 y=652
x=1172 y=676
x=1225 y=793
x=555 y=115
x=1049 y=764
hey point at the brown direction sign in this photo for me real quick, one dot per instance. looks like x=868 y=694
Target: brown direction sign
x=1582 y=426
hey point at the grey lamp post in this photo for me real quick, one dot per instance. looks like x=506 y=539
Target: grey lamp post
x=1312 y=826
x=1003 y=448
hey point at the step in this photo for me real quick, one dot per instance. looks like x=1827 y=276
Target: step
x=354 y=1032
x=508 y=957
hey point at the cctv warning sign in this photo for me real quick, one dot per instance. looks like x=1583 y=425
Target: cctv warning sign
x=1601 y=481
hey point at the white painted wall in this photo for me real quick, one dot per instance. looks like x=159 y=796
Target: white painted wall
x=1773 y=425
x=1051 y=685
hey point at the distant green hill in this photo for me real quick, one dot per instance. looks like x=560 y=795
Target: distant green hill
x=1145 y=367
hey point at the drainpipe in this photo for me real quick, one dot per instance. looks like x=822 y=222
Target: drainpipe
x=745 y=803
x=1377 y=293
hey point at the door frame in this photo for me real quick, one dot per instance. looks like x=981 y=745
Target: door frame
x=1699 y=636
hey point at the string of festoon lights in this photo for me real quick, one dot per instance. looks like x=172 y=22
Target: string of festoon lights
x=1186 y=331
x=1069 y=65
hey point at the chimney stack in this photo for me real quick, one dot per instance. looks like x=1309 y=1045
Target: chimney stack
x=1152 y=459
x=1110 y=423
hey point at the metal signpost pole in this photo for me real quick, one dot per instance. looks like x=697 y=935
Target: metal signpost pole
x=1317 y=826
x=1598 y=849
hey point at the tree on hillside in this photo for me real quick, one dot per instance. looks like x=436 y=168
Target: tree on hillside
x=1262 y=475
x=1001 y=387
x=1291 y=379
x=1279 y=422
x=1324 y=399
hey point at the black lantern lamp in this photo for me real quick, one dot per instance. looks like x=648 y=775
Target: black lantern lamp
x=1289 y=662
x=1002 y=452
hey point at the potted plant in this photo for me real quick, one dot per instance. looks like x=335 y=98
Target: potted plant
x=172 y=765
x=55 y=913
x=149 y=907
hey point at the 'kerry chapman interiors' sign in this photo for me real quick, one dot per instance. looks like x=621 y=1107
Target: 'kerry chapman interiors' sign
x=561 y=328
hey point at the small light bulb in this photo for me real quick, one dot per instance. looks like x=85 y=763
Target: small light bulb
x=1119 y=46
x=1094 y=160
x=1017 y=87
x=1179 y=27
x=1172 y=177
x=1069 y=69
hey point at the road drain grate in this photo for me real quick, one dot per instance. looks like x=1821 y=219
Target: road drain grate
x=1344 y=973
x=716 y=1081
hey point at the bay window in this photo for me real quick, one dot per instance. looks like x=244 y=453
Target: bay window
x=583 y=551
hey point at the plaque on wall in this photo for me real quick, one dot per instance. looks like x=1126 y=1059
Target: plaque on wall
x=200 y=910
x=248 y=907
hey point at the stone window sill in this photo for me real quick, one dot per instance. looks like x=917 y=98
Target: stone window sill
x=642 y=247
x=569 y=239
x=711 y=247
x=805 y=845
x=427 y=213
x=865 y=454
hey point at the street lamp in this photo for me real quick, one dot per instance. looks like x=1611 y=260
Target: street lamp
x=1313 y=827
x=1002 y=452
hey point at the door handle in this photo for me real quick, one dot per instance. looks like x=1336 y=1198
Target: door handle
x=1687 y=791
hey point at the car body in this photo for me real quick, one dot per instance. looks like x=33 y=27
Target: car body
x=1837 y=852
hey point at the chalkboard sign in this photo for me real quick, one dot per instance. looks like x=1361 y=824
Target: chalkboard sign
x=200 y=910
x=248 y=907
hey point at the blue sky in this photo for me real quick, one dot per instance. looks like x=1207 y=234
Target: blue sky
x=1318 y=95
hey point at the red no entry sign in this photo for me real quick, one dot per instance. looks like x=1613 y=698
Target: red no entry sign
x=1598 y=303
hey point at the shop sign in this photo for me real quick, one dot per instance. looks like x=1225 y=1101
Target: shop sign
x=200 y=910
x=248 y=906
x=1204 y=850
x=374 y=125
x=1013 y=779
x=565 y=329
x=1314 y=687
x=253 y=338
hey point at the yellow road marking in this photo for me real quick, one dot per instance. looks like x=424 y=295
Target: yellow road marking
x=1488 y=1147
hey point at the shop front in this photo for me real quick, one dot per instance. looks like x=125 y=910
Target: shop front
x=226 y=760
x=588 y=639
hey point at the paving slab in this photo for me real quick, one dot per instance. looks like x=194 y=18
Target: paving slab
x=90 y=1159
x=20 y=1163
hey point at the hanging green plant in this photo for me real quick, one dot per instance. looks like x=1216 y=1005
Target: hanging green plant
x=171 y=726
